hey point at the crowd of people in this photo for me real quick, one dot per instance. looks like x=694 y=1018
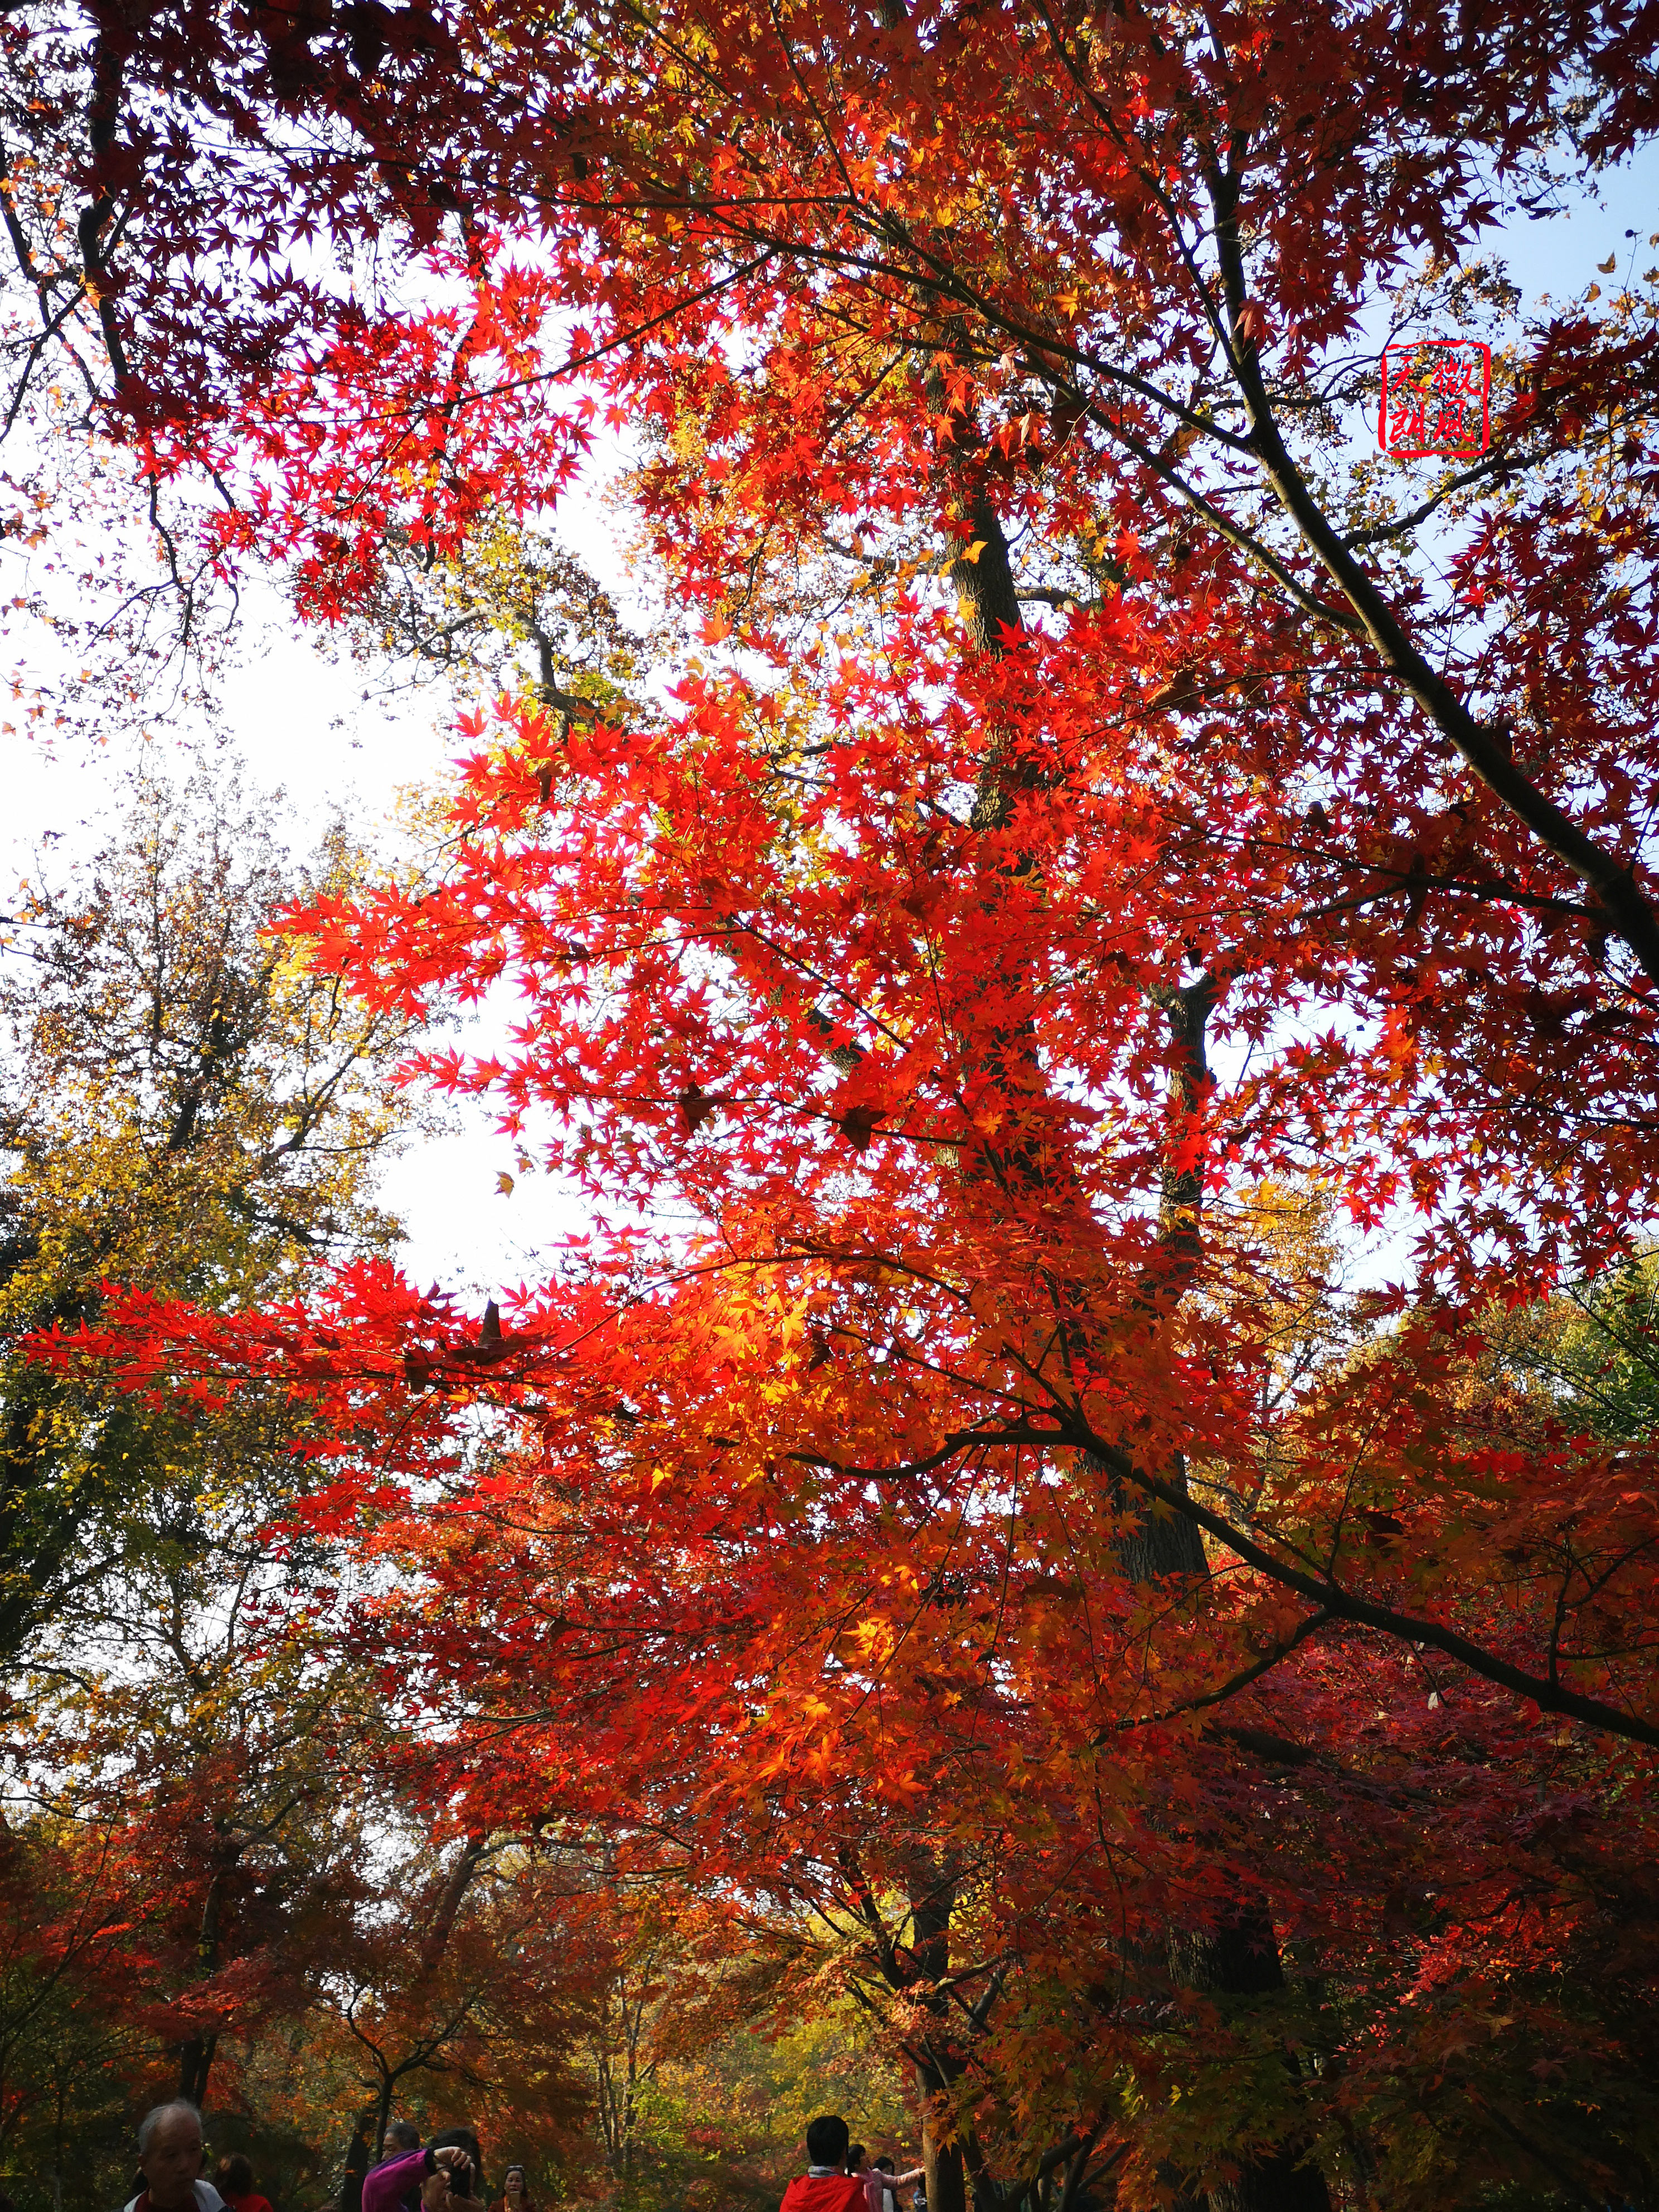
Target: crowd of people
x=444 y=2175
x=447 y=2174
x=841 y=2176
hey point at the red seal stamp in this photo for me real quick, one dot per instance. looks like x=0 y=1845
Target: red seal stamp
x=1436 y=398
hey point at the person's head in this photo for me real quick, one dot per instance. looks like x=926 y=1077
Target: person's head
x=403 y=2136
x=235 y=2177
x=515 y=2182
x=170 y=2154
x=827 y=2138
x=886 y=2166
x=855 y=2158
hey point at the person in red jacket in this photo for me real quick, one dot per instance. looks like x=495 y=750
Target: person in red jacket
x=826 y=2186
x=235 y=2183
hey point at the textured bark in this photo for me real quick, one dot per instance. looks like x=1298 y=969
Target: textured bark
x=937 y=2064
x=1242 y=1959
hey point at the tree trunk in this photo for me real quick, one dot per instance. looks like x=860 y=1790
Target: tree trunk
x=1240 y=1959
x=942 y=2162
x=196 y=2057
x=367 y=2138
x=435 y=1941
x=932 y=1896
x=1243 y=1960
x=195 y=2064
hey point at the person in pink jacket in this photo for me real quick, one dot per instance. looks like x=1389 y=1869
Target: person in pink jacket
x=446 y=2179
x=879 y=2182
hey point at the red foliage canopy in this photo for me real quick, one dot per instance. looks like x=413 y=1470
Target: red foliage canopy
x=957 y=990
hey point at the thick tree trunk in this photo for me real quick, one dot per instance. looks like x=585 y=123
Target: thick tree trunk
x=195 y=2064
x=947 y=2186
x=1243 y=1960
x=367 y=2138
x=932 y=1897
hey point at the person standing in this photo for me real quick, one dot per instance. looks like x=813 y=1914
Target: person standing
x=401 y=2137
x=235 y=2182
x=444 y=2176
x=170 y=2160
x=880 y=2180
x=826 y=2186
x=464 y=2140
x=515 y=2192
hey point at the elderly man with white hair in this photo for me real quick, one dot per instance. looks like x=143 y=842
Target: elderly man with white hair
x=170 y=2160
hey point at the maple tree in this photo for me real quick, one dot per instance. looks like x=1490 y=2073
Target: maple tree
x=962 y=979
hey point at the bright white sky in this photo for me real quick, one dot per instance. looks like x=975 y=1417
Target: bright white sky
x=298 y=718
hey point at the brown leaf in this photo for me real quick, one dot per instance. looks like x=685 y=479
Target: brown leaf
x=858 y=1125
x=1180 y=693
x=696 y=1105
x=1384 y=1528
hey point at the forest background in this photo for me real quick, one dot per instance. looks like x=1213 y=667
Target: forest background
x=183 y=1107
x=1130 y=1658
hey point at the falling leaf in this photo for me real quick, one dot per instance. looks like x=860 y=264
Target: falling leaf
x=695 y=1106
x=858 y=1124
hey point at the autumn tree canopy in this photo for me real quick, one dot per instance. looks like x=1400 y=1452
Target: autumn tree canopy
x=1110 y=843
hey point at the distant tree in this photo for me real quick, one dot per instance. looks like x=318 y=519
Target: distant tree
x=187 y=1108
